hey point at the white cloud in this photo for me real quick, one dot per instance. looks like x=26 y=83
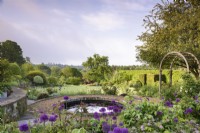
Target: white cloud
x=104 y=21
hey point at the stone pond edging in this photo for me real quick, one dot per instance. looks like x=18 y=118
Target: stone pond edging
x=14 y=106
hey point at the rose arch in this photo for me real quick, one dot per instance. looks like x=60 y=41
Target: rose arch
x=184 y=59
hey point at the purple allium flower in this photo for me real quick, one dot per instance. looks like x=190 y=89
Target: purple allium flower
x=23 y=127
x=124 y=130
x=121 y=124
x=175 y=119
x=196 y=97
x=102 y=110
x=105 y=127
x=110 y=107
x=61 y=107
x=115 y=109
x=168 y=104
x=159 y=113
x=54 y=105
x=52 y=118
x=117 y=130
x=35 y=121
x=43 y=117
x=110 y=113
x=96 y=116
x=104 y=114
x=113 y=126
x=178 y=100
x=114 y=118
x=65 y=97
x=188 y=111
x=113 y=102
x=110 y=132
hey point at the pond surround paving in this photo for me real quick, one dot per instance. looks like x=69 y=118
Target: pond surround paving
x=14 y=106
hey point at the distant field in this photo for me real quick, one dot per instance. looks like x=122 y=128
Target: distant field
x=135 y=74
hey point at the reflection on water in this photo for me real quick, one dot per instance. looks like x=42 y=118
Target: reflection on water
x=90 y=109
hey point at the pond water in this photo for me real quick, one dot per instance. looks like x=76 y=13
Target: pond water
x=90 y=109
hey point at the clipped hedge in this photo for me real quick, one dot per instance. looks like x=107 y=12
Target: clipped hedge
x=30 y=76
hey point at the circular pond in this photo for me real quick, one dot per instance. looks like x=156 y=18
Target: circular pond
x=91 y=105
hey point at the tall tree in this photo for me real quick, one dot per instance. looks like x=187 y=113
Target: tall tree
x=5 y=73
x=171 y=26
x=96 y=68
x=12 y=52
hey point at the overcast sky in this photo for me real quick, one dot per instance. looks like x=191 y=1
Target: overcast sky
x=69 y=31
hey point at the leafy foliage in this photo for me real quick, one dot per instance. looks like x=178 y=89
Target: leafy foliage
x=45 y=69
x=96 y=68
x=5 y=73
x=12 y=52
x=171 y=26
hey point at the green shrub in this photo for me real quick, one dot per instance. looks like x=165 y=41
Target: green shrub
x=149 y=91
x=110 y=90
x=73 y=80
x=53 y=81
x=30 y=76
x=51 y=90
x=38 y=80
x=33 y=93
x=5 y=87
x=42 y=95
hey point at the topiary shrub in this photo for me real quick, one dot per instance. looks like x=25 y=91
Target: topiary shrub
x=42 y=95
x=38 y=80
x=30 y=76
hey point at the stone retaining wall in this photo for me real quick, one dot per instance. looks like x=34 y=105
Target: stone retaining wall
x=14 y=106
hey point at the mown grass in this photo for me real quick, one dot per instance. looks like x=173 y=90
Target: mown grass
x=69 y=90
x=78 y=90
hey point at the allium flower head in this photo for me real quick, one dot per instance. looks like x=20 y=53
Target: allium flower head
x=124 y=130
x=117 y=130
x=178 y=100
x=110 y=107
x=43 y=117
x=96 y=116
x=102 y=110
x=23 y=127
x=65 y=97
x=175 y=119
x=113 y=126
x=121 y=124
x=168 y=104
x=196 y=97
x=52 y=118
x=188 y=111
x=114 y=118
x=105 y=127
x=159 y=113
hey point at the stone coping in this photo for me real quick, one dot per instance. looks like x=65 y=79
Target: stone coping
x=16 y=95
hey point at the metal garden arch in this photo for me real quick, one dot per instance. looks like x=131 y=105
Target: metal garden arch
x=187 y=58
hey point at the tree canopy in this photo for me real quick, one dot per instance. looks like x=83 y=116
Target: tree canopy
x=96 y=68
x=12 y=52
x=171 y=26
